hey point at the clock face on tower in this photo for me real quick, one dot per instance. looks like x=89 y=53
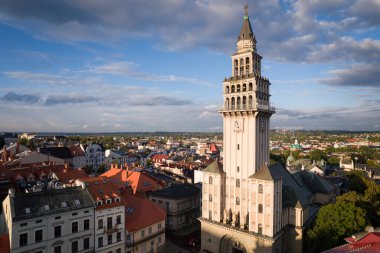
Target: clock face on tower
x=238 y=125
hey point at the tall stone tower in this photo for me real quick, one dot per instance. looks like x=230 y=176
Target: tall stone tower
x=241 y=199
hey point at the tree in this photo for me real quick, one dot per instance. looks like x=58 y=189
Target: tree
x=333 y=160
x=334 y=222
x=23 y=141
x=317 y=155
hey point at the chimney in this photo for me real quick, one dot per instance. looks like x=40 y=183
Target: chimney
x=11 y=192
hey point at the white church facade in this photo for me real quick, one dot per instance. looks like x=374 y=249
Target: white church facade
x=249 y=205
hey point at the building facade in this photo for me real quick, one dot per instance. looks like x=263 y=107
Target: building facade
x=50 y=221
x=109 y=214
x=182 y=205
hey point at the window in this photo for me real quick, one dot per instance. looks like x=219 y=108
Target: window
x=74 y=214
x=118 y=236
x=210 y=197
x=237 y=201
x=159 y=239
x=118 y=219
x=238 y=147
x=260 y=188
x=109 y=223
x=100 y=223
x=74 y=227
x=86 y=224
x=159 y=225
x=100 y=241
x=74 y=246
x=57 y=249
x=238 y=168
x=210 y=180
x=23 y=239
x=87 y=211
x=57 y=231
x=128 y=237
x=238 y=183
x=210 y=215
x=38 y=221
x=143 y=233
x=109 y=239
x=38 y=236
x=260 y=208
x=57 y=218
x=150 y=230
x=86 y=243
x=260 y=229
x=118 y=250
x=23 y=224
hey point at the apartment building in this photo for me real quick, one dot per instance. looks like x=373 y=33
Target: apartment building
x=144 y=224
x=109 y=214
x=50 y=221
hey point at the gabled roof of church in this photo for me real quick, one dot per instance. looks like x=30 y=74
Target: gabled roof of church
x=214 y=167
x=246 y=32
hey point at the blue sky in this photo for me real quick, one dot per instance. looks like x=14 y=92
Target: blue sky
x=122 y=65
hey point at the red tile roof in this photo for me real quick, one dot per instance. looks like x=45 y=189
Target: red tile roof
x=138 y=181
x=369 y=243
x=68 y=176
x=76 y=151
x=140 y=212
x=101 y=188
x=4 y=243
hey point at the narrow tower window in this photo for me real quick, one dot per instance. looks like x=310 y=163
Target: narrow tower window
x=260 y=208
x=237 y=168
x=260 y=188
x=238 y=183
x=260 y=229
x=210 y=180
x=237 y=201
x=210 y=197
x=238 y=147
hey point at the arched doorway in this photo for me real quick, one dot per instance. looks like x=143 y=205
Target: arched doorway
x=229 y=244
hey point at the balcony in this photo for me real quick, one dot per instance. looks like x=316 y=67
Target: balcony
x=255 y=106
x=115 y=228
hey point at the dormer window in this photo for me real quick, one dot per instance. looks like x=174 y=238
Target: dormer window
x=108 y=201
x=99 y=203
x=117 y=199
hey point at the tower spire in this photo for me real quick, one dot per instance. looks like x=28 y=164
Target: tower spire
x=246 y=32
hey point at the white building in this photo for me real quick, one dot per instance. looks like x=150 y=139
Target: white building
x=51 y=221
x=248 y=205
x=109 y=215
x=94 y=155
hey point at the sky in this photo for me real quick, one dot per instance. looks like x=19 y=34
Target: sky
x=124 y=65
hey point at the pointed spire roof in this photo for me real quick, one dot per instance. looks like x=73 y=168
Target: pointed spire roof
x=246 y=32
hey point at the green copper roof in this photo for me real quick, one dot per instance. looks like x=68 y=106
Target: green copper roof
x=266 y=173
x=214 y=167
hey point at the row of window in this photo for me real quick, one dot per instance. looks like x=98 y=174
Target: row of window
x=109 y=239
x=109 y=222
x=108 y=201
x=149 y=230
x=237 y=183
x=57 y=232
x=57 y=249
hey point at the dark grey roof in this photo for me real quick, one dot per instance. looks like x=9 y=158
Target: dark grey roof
x=60 y=152
x=314 y=182
x=46 y=202
x=246 y=32
x=176 y=191
x=214 y=167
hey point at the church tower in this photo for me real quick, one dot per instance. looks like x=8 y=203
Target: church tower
x=241 y=199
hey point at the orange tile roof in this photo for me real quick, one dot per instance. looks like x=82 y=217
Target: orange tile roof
x=69 y=175
x=101 y=188
x=140 y=212
x=138 y=181
x=4 y=243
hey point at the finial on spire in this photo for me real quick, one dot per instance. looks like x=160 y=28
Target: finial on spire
x=246 y=11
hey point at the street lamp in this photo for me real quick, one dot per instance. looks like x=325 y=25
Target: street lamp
x=356 y=161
